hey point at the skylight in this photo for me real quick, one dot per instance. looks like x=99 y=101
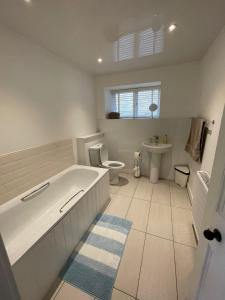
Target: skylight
x=147 y=42
x=124 y=47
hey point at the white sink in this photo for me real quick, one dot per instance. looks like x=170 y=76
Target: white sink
x=157 y=148
x=155 y=151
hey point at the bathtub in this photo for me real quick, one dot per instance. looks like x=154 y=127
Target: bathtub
x=40 y=228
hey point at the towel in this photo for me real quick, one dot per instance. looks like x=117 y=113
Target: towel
x=203 y=140
x=197 y=137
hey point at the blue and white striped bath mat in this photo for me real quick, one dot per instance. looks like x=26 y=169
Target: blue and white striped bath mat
x=94 y=264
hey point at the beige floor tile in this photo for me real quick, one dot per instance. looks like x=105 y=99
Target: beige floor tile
x=130 y=185
x=144 y=189
x=184 y=257
x=119 y=205
x=126 y=175
x=182 y=226
x=157 y=279
x=118 y=295
x=138 y=214
x=128 y=190
x=129 y=270
x=179 y=197
x=161 y=193
x=129 y=176
x=68 y=292
x=160 y=221
x=114 y=189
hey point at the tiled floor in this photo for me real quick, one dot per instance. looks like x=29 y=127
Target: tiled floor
x=159 y=252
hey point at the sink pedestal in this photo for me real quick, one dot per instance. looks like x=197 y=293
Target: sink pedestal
x=155 y=152
x=154 y=167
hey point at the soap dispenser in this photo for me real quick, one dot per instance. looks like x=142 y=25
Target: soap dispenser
x=165 y=139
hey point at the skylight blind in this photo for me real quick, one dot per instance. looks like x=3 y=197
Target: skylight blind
x=159 y=38
x=146 y=42
x=150 y=41
x=134 y=103
x=124 y=47
x=142 y=43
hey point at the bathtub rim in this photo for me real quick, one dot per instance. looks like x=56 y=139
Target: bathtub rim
x=16 y=200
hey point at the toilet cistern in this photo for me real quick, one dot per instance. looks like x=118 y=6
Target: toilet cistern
x=155 y=151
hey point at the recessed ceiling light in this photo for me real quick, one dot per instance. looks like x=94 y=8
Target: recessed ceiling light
x=100 y=60
x=27 y=1
x=172 y=27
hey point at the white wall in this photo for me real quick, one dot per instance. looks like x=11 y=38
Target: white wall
x=180 y=93
x=213 y=95
x=179 y=90
x=42 y=98
x=212 y=100
x=123 y=137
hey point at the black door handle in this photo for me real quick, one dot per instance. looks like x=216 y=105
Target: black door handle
x=211 y=235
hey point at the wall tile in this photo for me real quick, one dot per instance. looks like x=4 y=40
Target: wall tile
x=24 y=169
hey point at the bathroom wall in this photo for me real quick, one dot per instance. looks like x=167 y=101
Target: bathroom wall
x=123 y=137
x=180 y=92
x=179 y=88
x=212 y=100
x=213 y=94
x=43 y=100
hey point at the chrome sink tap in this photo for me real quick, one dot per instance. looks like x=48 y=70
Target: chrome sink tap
x=156 y=139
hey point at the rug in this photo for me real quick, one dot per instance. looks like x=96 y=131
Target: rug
x=93 y=265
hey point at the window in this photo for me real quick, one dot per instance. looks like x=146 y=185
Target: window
x=133 y=103
x=124 y=47
x=139 y=44
x=146 y=42
x=150 y=41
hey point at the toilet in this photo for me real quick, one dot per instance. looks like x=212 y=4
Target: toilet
x=98 y=155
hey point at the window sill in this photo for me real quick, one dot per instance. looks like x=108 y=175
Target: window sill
x=134 y=118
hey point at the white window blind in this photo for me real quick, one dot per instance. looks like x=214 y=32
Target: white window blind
x=139 y=44
x=146 y=42
x=159 y=40
x=124 y=47
x=150 y=41
x=135 y=102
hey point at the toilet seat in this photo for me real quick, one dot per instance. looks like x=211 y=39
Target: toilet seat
x=113 y=164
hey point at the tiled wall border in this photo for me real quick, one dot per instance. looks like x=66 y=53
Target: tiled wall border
x=20 y=171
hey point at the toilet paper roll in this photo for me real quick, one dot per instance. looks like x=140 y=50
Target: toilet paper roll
x=137 y=155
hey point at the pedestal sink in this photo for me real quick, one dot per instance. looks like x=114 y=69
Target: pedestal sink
x=155 y=152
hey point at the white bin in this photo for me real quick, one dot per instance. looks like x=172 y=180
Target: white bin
x=181 y=175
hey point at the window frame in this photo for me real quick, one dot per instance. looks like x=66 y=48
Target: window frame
x=135 y=91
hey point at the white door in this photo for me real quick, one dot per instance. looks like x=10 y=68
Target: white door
x=208 y=280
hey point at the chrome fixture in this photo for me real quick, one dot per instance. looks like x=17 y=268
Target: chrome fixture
x=61 y=209
x=33 y=193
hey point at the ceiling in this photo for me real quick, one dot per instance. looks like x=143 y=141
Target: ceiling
x=82 y=30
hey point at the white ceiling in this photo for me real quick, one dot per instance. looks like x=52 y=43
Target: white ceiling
x=83 y=30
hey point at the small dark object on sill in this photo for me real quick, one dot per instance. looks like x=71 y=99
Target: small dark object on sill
x=113 y=115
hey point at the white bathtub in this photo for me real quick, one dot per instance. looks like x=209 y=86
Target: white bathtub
x=41 y=227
